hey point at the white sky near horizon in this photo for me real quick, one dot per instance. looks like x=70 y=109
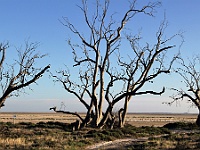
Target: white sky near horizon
x=38 y=21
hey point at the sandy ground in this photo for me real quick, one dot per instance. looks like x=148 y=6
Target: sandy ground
x=135 y=119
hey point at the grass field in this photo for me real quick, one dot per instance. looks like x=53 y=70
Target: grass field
x=49 y=131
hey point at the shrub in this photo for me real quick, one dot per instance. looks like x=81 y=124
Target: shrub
x=181 y=125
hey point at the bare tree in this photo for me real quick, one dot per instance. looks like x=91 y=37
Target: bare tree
x=106 y=74
x=190 y=75
x=14 y=78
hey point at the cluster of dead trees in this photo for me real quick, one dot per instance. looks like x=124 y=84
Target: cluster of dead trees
x=108 y=72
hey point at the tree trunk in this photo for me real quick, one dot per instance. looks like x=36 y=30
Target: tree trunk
x=120 y=124
x=123 y=112
x=198 y=118
x=89 y=115
x=105 y=116
x=96 y=119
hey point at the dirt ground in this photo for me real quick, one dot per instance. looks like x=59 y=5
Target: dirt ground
x=136 y=119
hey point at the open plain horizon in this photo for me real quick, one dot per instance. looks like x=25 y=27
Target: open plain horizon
x=135 y=119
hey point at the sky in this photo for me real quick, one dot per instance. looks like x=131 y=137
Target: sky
x=40 y=21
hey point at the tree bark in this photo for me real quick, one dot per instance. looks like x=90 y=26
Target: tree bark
x=105 y=116
x=198 y=118
x=120 y=117
x=198 y=121
x=124 y=112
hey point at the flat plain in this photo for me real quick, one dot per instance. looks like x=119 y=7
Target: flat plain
x=135 y=119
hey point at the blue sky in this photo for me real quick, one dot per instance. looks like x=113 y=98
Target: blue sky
x=39 y=21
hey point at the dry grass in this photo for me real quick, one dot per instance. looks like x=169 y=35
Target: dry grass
x=36 y=136
x=13 y=141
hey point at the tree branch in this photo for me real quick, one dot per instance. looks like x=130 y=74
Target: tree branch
x=3 y=50
x=67 y=112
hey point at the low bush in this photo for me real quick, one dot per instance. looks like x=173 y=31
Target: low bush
x=181 y=125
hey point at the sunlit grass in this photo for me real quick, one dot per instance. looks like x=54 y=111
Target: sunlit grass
x=13 y=141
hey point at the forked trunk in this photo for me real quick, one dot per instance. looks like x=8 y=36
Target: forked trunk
x=105 y=116
x=89 y=115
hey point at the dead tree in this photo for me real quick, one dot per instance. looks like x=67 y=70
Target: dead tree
x=190 y=76
x=14 y=78
x=106 y=75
